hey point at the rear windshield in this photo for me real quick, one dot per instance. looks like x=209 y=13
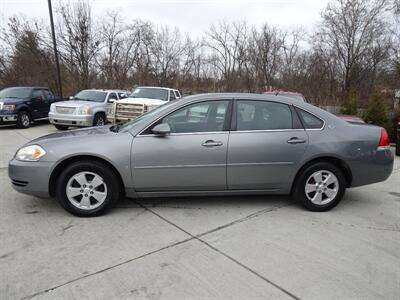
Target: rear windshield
x=151 y=93
x=94 y=96
x=15 y=92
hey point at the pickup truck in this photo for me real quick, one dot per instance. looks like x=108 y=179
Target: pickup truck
x=141 y=100
x=22 y=105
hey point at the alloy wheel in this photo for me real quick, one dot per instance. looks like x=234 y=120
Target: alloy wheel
x=86 y=190
x=25 y=120
x=322 y=187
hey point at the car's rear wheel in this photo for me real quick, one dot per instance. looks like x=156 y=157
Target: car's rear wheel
x=320 y=187
x=87 y=188
x=99 y=119
x=61 y=127
x=24 y=119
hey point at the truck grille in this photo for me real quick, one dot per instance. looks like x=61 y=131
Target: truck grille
x=65 y=110
x=129 y=111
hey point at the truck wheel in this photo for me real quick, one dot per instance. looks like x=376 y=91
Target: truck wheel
x=61 y=127
x=87 y=188
x=320 y=187
x=23 y=119
x=99 y=119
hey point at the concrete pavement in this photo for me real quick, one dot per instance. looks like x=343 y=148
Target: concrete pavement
x=204 y=247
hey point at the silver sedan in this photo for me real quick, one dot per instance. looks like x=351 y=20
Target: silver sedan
x=211 y=144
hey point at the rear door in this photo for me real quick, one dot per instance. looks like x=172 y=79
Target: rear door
x=191 y=158
x=265 y=145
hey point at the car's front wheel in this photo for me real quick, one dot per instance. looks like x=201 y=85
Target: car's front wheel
x=87 y=188
x=99 y=120
x=320 y=187
x=24 y=119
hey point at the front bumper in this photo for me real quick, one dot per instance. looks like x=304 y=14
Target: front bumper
x=70 y=120
x=8 y=119
x=30 y=178
x=373 y=168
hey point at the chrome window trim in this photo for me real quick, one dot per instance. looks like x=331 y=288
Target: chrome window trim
x=267 y=130
x=318 y=117
x=186 y=133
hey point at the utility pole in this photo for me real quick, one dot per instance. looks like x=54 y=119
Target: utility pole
x=55 y=50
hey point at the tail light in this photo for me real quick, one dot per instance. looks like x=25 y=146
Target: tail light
x=384 y=141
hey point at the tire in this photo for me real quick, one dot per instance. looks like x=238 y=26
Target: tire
x=23 y=120
x=85 y=200
x=325 y=196
x=61 y=127
x=99 y=119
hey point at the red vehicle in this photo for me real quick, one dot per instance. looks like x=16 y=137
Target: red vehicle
x=292 y=95
x=352 y=119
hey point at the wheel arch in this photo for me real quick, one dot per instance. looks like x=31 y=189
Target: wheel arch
x=341 y=164
x=67 y=161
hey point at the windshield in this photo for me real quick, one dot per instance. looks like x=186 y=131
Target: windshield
x=87 y=95
x=15 y=92
x=152 y=93
x=148 y=115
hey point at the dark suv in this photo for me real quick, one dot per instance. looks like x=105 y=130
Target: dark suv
x=22 y=105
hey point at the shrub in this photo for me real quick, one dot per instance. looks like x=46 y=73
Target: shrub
x=350 y=103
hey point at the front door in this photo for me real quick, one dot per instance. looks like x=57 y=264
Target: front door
x=266 y=146
x=192 y=157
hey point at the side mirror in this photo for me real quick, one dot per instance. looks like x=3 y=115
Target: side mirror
x=71 y=98
x=112 y=100
x=161 y=129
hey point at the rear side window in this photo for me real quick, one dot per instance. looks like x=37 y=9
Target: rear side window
x=262 y=115
x=309 y=120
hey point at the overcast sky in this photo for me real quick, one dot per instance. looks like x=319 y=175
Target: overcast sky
x=193 y=16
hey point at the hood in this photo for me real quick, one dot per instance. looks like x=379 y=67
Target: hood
x=76 y=103
x=91 y=131
x=12 y=100
x=147 y=101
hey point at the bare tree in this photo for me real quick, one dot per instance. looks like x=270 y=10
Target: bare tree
x=350 y=28
x=79 y=42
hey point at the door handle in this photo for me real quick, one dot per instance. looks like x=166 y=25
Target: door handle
x=295 y=140
x=211 y=143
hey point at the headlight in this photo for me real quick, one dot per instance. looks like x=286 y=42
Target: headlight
x=9 y=107
x=83 y=110
x=30 y=153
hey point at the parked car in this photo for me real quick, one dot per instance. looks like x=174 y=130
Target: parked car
x=351 y=119
x=22 y=105
x=141 y=100
x=210 y=144
x=293 y=95
x=87 y=108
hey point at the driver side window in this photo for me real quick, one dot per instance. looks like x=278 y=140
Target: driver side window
x=200 y=117
x=37 y=94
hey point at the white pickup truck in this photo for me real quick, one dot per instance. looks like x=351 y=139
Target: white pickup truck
x=140 y=101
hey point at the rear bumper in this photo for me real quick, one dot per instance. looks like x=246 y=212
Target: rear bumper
x=71 y=120
x=374 y=168
x=30 y=178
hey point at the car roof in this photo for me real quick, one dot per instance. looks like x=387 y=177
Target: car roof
x=156 y=87
x=252 y=96
x=105 y=91
x=27 y=87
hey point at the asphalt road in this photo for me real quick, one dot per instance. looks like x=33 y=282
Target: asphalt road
x=192 y=248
